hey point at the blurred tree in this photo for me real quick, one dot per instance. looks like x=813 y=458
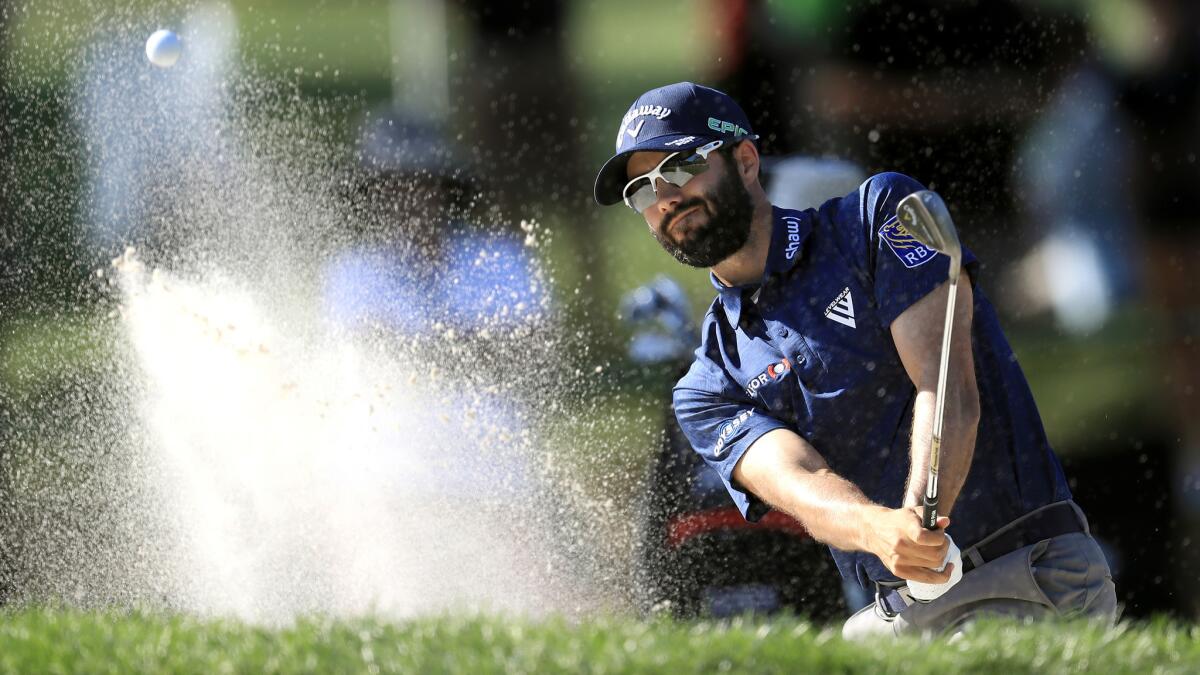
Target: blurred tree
x=1152 y=48
x=764 y=48
x=520 y=103
x=941 y=90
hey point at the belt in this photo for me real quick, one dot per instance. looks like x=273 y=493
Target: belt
x=1047 y=522
x=1054 y=520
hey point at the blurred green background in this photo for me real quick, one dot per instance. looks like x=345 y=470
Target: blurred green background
x=1087 y=387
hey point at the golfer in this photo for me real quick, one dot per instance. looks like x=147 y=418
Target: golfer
x=813 y=388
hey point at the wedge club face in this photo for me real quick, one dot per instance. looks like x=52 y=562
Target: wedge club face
x=926 y=218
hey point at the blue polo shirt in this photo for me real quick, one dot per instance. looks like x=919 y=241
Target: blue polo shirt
x=810 y=349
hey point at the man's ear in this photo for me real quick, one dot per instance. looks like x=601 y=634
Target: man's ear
x=746 y=159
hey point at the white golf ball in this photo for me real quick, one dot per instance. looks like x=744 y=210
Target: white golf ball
x=163 y=48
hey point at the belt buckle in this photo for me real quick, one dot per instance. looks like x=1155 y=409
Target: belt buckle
x=881 y=608
x=881 y=605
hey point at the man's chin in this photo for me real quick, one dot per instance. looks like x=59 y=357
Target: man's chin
x=695 y=239
x=698 y=256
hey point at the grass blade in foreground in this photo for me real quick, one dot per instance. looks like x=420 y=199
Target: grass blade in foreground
x=38 y=640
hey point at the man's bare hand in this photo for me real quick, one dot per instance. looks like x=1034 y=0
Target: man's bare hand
x=908 y=549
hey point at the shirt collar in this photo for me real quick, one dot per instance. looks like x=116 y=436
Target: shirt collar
x=789 y=231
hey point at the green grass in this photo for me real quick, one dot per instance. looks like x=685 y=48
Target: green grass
x=58 y=641
x=36 y=350
x=309 y=39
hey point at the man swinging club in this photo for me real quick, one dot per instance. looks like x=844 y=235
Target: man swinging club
x=814 y=389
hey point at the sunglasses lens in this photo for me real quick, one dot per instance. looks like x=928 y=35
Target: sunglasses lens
x=640 y=196
x=676 y=170
x=680 y=175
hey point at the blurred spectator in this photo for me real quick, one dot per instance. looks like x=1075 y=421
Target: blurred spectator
x=419 y=265
x=1103 y=179
x=517 y=100
x=799 y=182
x=1073 y=177
x=420 y=278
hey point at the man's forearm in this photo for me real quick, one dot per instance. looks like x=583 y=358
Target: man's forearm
x=831 y=508
x=959 y=428
x=786 y=471
x=918 y=336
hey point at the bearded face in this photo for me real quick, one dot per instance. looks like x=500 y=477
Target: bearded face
x=703 y=230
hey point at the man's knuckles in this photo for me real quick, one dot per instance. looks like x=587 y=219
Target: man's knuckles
x=921 y=574
x=930 y=537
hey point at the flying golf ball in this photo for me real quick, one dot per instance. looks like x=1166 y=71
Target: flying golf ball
x=163 y=48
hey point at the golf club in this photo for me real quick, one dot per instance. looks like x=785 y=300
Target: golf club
x=924 y=215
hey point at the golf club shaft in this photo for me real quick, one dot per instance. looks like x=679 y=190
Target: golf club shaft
x=930 y=515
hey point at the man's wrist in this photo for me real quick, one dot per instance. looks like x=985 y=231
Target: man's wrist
x=869 y=515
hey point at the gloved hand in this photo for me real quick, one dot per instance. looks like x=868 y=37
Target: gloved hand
x=926 y=592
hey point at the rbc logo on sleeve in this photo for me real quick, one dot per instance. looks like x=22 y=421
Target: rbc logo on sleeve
x=910 y=251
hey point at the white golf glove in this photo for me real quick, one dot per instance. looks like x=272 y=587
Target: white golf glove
x=926 y=592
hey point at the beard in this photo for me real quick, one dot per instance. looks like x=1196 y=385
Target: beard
x=724 y=232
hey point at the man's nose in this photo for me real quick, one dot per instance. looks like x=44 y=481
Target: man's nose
x=668 y=194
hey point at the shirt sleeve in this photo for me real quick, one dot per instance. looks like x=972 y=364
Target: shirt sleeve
x=721 y=423
x=902 y=270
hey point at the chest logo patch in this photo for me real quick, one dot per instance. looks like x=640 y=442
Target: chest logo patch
x=906 y=247
x=841 y=309
x=771 y=374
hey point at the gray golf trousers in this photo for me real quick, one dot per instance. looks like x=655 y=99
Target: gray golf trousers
x=1063 y=576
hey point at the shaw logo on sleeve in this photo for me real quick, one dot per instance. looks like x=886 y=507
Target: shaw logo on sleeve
x=793 y=236
x=728 y=431
x=906 y=247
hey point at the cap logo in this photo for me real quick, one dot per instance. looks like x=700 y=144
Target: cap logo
x=657 y=111
x=682 y=141
x=721 y=126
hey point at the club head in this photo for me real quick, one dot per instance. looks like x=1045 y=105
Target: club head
x=926 y=218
